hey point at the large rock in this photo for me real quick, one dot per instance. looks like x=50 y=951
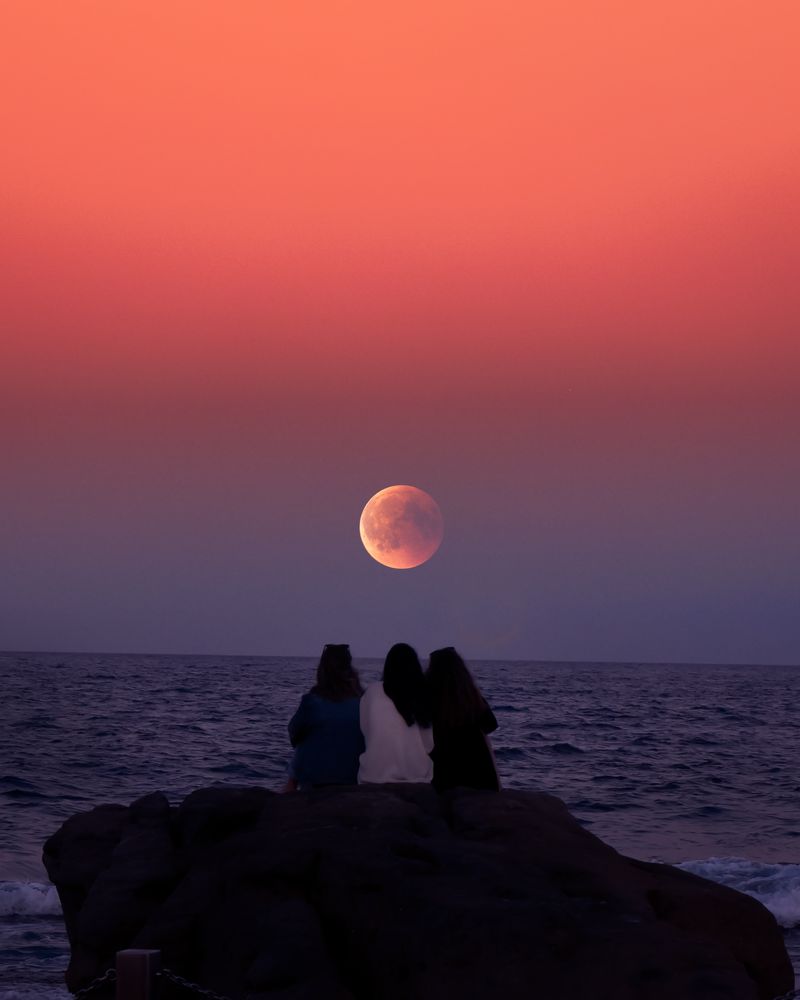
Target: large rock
x=390 y=892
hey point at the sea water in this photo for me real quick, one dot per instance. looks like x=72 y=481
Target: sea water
x=694 y=765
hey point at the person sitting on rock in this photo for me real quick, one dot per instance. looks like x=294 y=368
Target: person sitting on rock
x=396 y=722
x=462 y=721
x=325 y=729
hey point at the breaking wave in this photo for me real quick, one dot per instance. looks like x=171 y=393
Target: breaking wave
x=32 y=899
x=777 y=886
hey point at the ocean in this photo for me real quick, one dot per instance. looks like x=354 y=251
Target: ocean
x=694 y=765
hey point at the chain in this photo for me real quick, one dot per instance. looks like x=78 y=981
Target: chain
x=109 y=976
x=173 y=977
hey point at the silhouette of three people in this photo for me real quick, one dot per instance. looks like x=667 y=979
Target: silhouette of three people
x=409 y=726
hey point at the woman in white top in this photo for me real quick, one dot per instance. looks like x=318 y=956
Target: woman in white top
x=396 y=722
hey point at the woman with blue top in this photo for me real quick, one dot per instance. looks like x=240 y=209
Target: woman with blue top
x=325 y=729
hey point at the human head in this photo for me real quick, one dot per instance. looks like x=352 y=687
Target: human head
x=454 y=697
x=404 y=683
x=336 y=676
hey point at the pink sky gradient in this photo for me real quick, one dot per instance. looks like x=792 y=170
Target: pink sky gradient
x=538 y=260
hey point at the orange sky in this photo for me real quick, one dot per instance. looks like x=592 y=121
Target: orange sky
x=455 y=120
x=301 y=177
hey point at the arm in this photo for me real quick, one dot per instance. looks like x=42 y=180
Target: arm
x=487 y=721
x=300 y=722
x=364 y=714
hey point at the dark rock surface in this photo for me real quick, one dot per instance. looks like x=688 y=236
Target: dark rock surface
x=394 y=892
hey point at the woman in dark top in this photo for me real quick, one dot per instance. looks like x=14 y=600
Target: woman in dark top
x=325 y=729
x=462 y=755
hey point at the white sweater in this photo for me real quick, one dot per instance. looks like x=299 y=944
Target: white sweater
x=395 y=751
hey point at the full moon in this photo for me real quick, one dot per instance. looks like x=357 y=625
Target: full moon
x=401 y=527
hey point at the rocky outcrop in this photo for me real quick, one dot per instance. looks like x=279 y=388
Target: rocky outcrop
x=394 y=892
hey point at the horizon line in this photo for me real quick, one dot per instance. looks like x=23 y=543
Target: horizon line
x=470 y=659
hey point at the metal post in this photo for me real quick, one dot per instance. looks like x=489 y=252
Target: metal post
x=136 y=973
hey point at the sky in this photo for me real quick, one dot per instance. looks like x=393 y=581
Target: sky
x=260 y=260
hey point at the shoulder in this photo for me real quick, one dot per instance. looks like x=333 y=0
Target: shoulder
x=374 y=696
x=309 y=702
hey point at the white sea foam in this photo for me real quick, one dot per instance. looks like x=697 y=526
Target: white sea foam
x=776 y=886
x=34 y=899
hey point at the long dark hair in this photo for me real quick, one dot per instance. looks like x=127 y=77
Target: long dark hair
x=454 y=696
x=336 y=675
x=404 y=683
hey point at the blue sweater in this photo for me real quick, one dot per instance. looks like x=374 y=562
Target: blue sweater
x=327 y=740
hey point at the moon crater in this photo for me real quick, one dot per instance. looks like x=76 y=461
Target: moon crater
x=401 y=527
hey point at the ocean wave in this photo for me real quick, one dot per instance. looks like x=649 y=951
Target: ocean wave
x=593 y=805
x=21 y=794
x=33 y=899
x=704 y=811
x=564 y=748
x=509 y=753
x=13 y=781
x=777 y=886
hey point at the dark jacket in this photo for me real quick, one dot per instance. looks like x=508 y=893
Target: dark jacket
x=328 y=741
x=462 y=757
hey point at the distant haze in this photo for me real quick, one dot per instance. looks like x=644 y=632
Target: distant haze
x=260 y=262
